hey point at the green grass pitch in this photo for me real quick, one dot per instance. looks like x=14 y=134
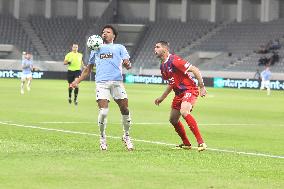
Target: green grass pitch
x=46 y=143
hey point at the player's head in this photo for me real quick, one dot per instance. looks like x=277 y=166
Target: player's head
x=28 y=55
x=161 y=49
x=109 y=34
x=75 y=47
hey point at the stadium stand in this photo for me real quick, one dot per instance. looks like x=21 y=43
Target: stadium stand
x=233 y=43
x=177 y=33
x=238 y=41
x=58 y=33
x=11 y=32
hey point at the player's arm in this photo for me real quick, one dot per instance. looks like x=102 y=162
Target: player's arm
x=125 y=57
x=66 y=62
x=127 y=64
x=83 y=65
x=164 y=95
x=198 y=76
x=85 y=73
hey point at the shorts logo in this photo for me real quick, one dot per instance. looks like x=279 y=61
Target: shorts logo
x=187 y=95
x=106 y=56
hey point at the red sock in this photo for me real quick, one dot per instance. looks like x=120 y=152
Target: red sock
x=194 y=128
x=181 y=132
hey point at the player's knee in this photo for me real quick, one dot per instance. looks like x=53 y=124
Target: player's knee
x=103 y=112
x=184 y=112
x=124 y=110
x=173 y=121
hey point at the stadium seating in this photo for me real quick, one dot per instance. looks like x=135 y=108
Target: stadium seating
x=236 y=42
x=177 y=33
x=241 y=40
x=11 y=32
x=59 y=33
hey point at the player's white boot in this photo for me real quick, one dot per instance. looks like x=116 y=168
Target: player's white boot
x=22 y=91
x=201 y=147
x=103 y=143
x=127 y=141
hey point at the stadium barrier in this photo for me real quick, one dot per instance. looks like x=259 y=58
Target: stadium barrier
x=216 y=82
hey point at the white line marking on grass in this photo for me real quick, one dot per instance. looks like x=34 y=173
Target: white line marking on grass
x=154 y=123
x=65 y=122
x=139 y=140
x=144 y=123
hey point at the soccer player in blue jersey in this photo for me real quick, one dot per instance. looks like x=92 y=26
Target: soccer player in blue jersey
x=108 y=60
x=27 y=67
x=265 y=79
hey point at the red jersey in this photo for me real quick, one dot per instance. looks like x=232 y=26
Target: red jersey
x=174 y=69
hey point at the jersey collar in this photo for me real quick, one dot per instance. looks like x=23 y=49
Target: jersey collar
x=167 y=58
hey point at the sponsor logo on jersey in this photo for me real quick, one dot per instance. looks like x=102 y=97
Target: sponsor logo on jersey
x=106 y=56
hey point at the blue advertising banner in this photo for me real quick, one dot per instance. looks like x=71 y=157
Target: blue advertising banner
x=245 y=83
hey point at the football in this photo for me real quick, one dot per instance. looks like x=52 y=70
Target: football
x=94 y=42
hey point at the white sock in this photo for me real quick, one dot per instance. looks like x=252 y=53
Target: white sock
x=268 y=91
x=126 y=122
x=22 y=85
x=102 y=121
x=29 y=84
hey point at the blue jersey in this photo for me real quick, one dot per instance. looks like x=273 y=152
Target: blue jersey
x=27 y=66
x=108 y=60
x=266 y=75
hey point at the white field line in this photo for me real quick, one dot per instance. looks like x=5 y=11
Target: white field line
x=154 y=123
x=139 y=140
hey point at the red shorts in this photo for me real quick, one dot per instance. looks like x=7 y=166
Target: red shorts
x=187 y=96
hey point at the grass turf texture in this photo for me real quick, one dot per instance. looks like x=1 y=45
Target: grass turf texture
x=231 y=119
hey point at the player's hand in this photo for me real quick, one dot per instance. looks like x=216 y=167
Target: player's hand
x=127 y=65
x=158 y=101
x=75 y=83
x=203 y=91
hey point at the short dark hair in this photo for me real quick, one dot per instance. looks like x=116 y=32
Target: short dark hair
x=113 y=30
x=164 y=43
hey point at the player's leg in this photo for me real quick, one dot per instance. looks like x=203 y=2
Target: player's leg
x=179 y=128
x=103 y=97
x=102 y=121
x=23 y=79
x=186 y=106
x=268 y=87
x=70 y=79
x=29 y=83
x=76 y=90
x=120 y=97
x=262 y=85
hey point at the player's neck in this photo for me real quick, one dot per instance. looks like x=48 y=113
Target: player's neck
x=165 y=57
x=108 y=42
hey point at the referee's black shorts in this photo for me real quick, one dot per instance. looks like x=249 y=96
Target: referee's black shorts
x=71 y=75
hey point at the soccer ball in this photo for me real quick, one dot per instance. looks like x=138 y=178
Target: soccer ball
x=94 y=42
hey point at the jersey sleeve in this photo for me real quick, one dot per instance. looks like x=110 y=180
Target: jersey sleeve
x=67 y=57
x=181 y=64
x=124 y=53
x=92 y=57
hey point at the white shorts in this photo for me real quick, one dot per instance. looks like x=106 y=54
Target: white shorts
x=26 y=76
x=108 y=89
x=265 y=84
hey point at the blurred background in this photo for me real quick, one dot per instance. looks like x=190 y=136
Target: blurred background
x=224 y=38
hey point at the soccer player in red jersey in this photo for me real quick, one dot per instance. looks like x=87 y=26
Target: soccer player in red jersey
x=177 y=72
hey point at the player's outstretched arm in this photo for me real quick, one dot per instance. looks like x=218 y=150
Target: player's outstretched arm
x=164 y=95
x=198 y=76
x=85 y=73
